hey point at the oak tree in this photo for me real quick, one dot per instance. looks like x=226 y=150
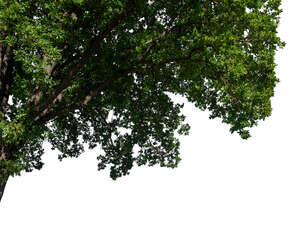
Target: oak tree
x=100 y=74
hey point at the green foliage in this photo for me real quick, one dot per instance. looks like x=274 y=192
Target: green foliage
x=100 y=73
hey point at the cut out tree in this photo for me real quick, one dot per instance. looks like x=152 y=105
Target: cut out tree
x=101 y=74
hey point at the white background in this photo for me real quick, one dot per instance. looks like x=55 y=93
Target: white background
x=225 y=187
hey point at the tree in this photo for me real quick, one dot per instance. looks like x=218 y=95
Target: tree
x=96 y=73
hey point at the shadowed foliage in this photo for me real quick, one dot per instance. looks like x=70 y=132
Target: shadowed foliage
x=100 y=74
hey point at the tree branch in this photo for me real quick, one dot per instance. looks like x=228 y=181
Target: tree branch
x=56 y=95
x=154 y=42
x=5 y=79
x=77 y=105
x=2 y=186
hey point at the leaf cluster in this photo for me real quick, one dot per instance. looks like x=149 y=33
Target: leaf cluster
x=88 y=73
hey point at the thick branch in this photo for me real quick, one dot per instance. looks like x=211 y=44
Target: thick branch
x=5 y=77
x=49 y=67
x=5 y=59
x=2 y=187
x=79 y=104
x=67 y=81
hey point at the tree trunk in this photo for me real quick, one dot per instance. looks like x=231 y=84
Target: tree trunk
x=2 y=187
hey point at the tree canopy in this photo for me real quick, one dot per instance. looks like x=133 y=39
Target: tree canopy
x=99 y=73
